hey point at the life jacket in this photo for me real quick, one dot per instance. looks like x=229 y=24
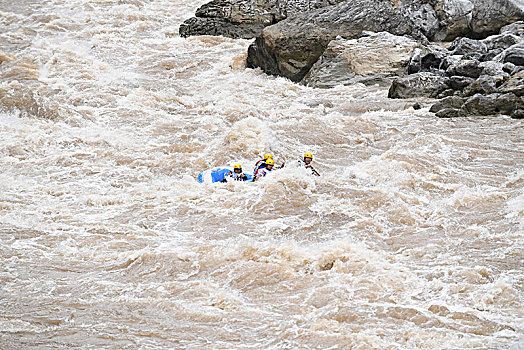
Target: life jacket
x=238 y=177
x=301 y=163
x=259 y=165
x=263 y=172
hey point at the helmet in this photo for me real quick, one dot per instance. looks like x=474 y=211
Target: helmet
x=308 y=155
x=270 y=162
x=268 y=156
x=237 y=166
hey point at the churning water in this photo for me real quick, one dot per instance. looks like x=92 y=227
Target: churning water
x=412 y=238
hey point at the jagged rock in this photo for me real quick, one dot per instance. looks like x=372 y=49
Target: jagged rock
x=452 y=102
x=462 y=46
x=492 y=68
x=244 y=18
x=428 y=58
x=493 y=104
x=291 y=47
x=219 y=26
x=480 y=105
x=415 y=61
x=509 y=68
x=490 y=55
x=450 y=113
x=472 y=56
x=458 y=82
x=446 y=93
x=485 y=85
x=466 y=68
x=514 y=54
x=476 y=18
x=372 y=59
x=516 y=28
x=501 y=41
x=518 y=113
x=515 y=84
x=449 y=61
x=418 y=85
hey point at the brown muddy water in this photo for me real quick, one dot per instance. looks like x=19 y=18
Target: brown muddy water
x=412 y=238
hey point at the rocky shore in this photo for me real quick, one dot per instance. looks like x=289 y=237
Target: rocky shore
x=468 y=54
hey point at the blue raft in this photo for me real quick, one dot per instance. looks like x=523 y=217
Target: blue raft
x=219 y=175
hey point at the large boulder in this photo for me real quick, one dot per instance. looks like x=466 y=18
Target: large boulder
x=501 y=41
x=458 y=82
x=244 y=18
x=513 y=54
x=291 y=47
x=479 y=105
x=465 y=68
x=372 y=59
x=417 y=85
x=516 y=28
x=485 y=84
x=493 y=104
x=462 y=46
x=429 y=58
x=514 y=85
x=476 y=18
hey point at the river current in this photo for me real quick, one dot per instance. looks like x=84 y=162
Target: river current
x=412 y=238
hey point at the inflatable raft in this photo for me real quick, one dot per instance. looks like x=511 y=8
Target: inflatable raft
x=219 y=174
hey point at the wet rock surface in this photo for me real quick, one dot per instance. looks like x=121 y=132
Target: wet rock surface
x=398 y=43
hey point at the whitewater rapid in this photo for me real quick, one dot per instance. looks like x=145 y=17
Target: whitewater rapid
x=412 y=238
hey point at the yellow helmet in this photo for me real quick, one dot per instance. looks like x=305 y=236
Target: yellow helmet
x=268 y=156
x=237 y=166
x=308 y=155
x=270 y=162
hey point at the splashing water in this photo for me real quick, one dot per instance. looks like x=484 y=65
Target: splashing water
x=412 y=238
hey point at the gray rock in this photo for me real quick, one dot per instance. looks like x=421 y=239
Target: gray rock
x=291 y=47
x=452 y=102
x=462 y=46
x=446 y=93
x=449 y=61
x=494 y=104
x=472 y=56
x=514 y=54
x=245 y=18
x=490 y=55
x=516 y=28
x=422 y=84
x=450 y=113
x=466 y=68
x=509 y=68
x=514 y=85
x=220 y=26
x=373 y=59
x=485 y=85
x=476 y=18
x=458 y=82
x=501 y=41
x=415 y=61
x=492 y=68
x=518 y=113
x=428 y=58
